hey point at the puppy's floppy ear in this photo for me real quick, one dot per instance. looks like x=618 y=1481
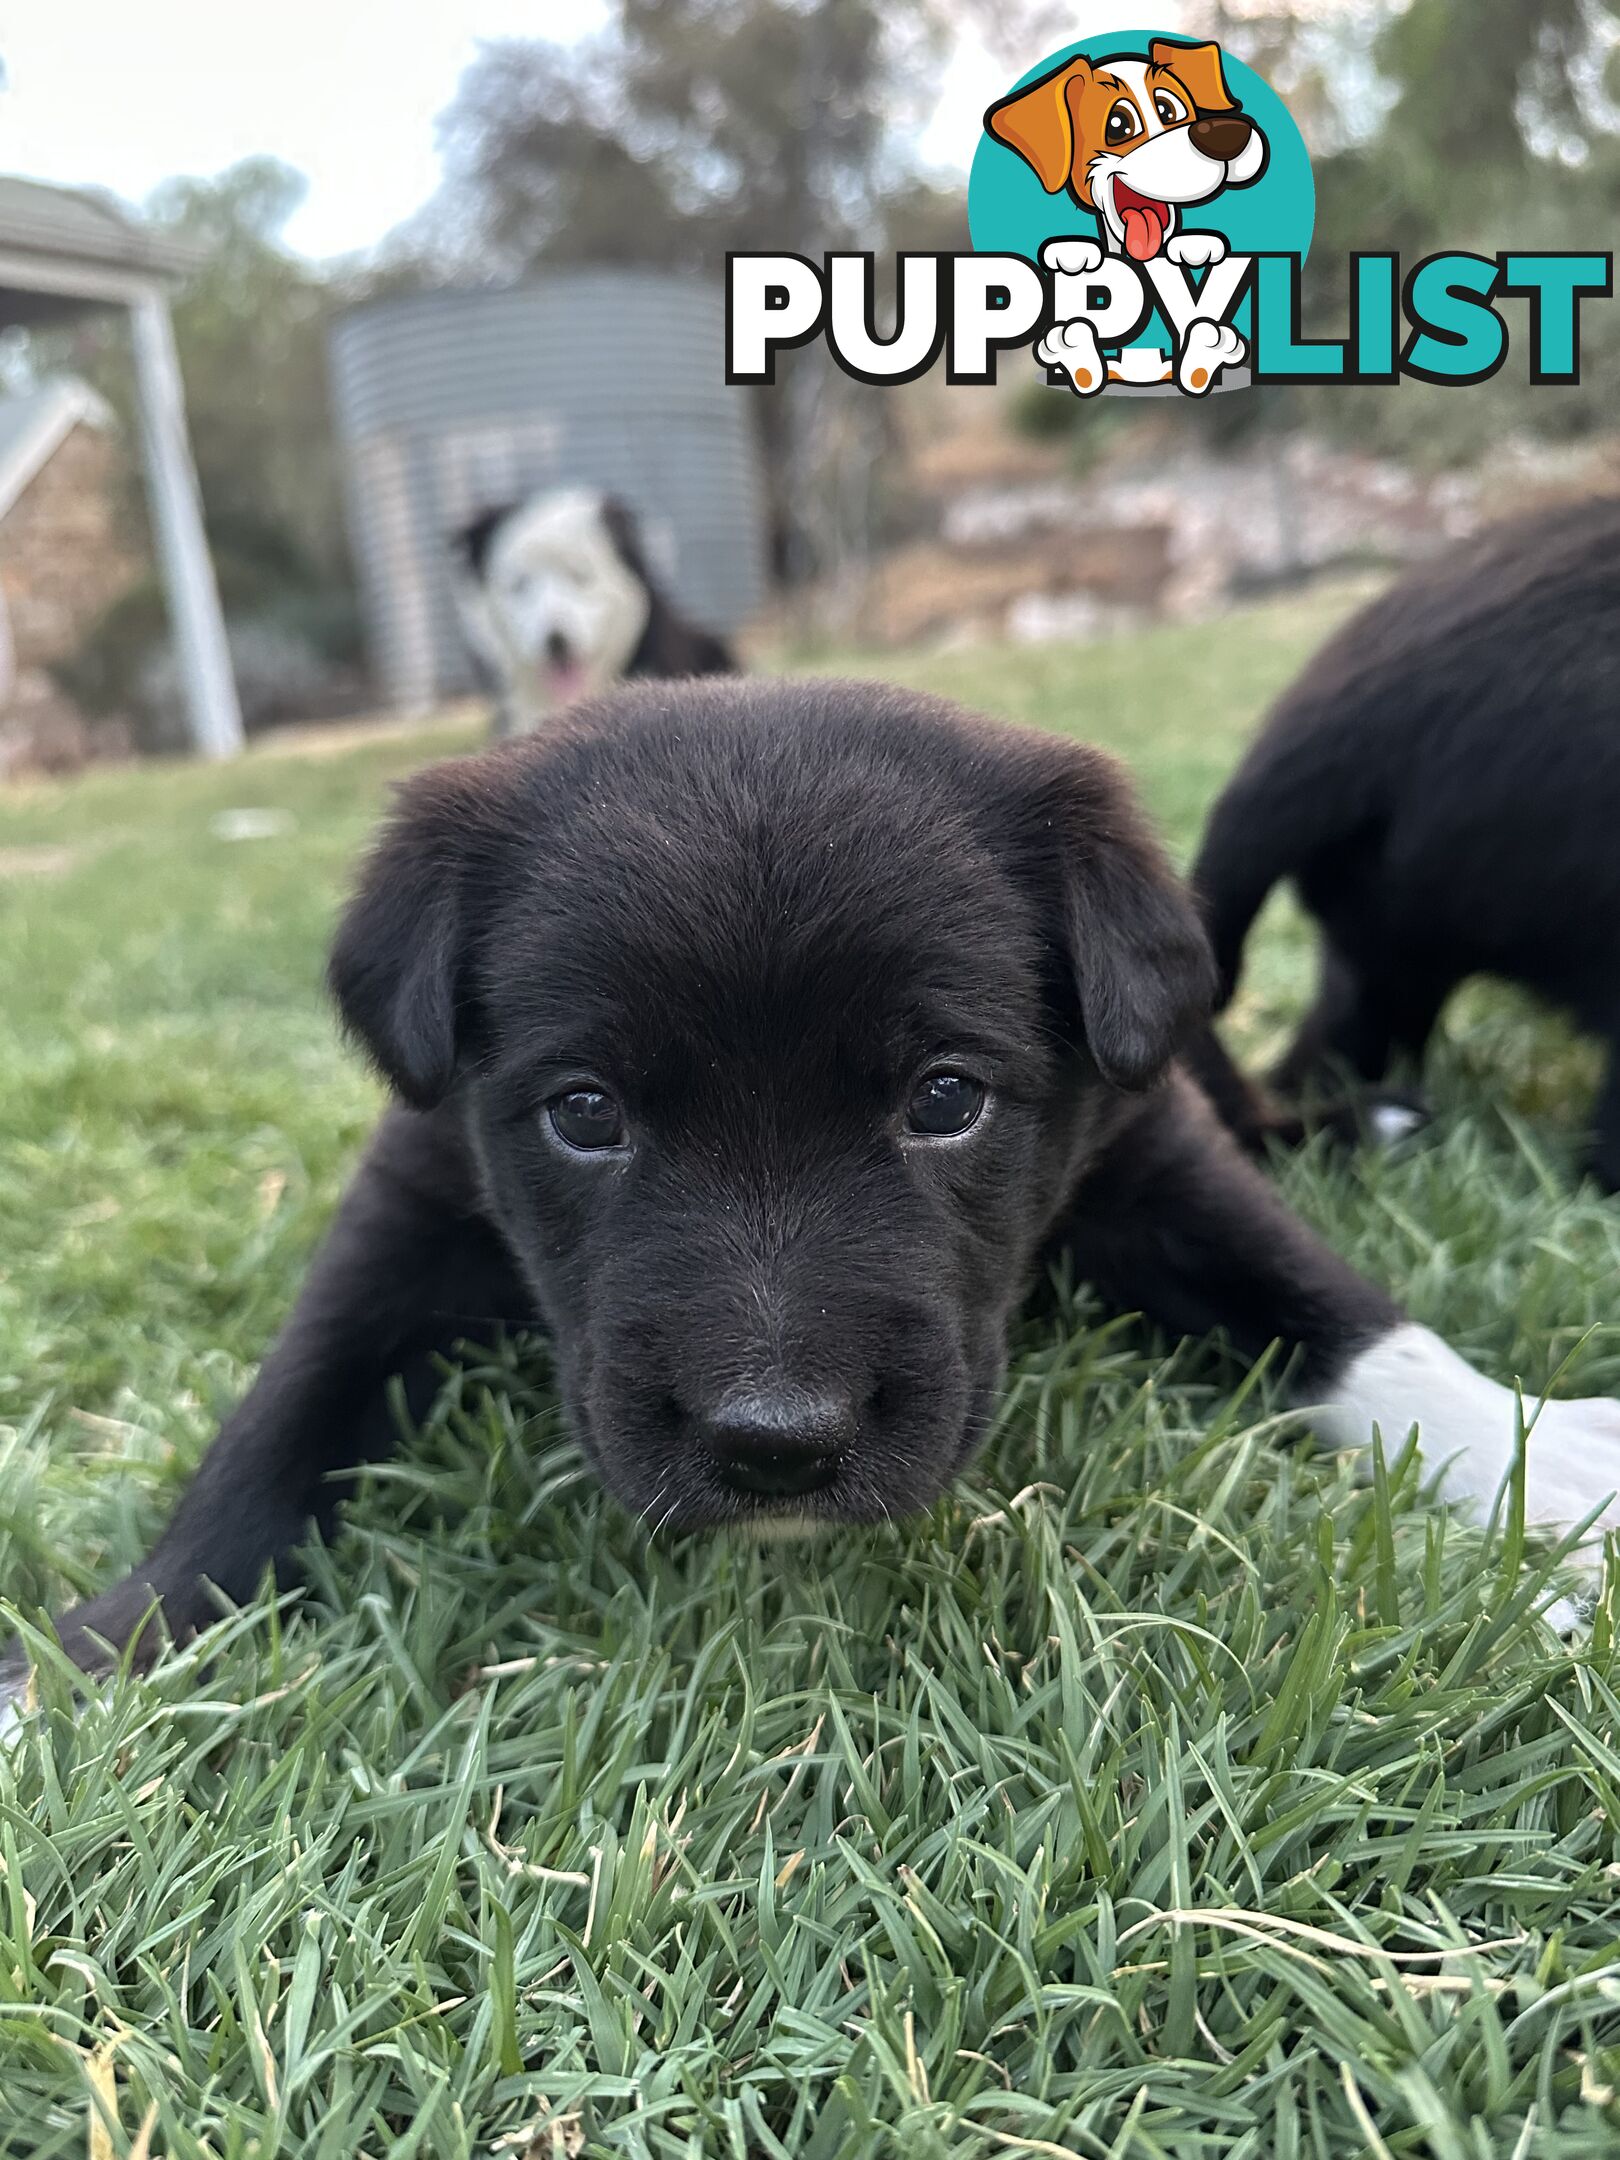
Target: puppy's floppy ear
x=399 y=963
x=1038 y=124
x=1198 y=69
x=1140 y=961
x=624 y=531
x=475 y=539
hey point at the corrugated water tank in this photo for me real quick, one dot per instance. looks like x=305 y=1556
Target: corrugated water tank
x=448 y=403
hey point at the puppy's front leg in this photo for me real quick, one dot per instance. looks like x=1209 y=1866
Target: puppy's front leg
x=1177 y=1223
x=410 y=1267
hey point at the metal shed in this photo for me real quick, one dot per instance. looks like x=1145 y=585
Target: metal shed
x=450 y=403
x=63 y=254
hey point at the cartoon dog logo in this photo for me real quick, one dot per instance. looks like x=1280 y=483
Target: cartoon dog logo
x=1137 y=140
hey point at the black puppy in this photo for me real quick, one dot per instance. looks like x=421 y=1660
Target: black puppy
x=758 y=1041
x=558 y=601
x=1443 y=786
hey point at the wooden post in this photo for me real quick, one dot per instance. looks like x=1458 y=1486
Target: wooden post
x=188 y=571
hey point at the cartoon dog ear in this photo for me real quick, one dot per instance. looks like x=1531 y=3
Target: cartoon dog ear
x=1037 y=122
x=1198 y=68
x=398 y=969
x=1140 y=960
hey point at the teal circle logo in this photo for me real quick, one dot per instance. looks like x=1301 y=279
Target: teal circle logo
x=1011 y=210
x=1145 y=152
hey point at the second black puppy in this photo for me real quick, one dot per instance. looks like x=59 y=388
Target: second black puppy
x=1443 y=786
x=758 y=1041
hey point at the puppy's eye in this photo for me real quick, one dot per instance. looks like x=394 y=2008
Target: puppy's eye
x=586 y=1118
x=944 y=1104
x=1121 y=123
x=1169 y=107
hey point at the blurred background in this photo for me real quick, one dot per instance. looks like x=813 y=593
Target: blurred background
x=421 y=260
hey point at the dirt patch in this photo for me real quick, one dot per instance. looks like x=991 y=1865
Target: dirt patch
x=931 y=589
x=329 y=738
x=21 y=862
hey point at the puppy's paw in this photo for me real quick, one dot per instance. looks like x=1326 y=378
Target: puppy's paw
x=1568 y=1616
x=16 y=1688
x=1393 y=1118
x=1196 y=250
x=1207 y=348
x=1468 y=1428
x=1573 y=1462
x=1072 y=258
x=1072 y=346
x=1378 y=1121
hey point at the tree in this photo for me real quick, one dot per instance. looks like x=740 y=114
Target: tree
x=1474 y=124
x=1491 y=137
x=251 y=326
x=694 y=127
x=1475 y=77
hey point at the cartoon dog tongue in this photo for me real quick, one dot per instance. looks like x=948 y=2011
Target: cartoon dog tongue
x=1144 y=230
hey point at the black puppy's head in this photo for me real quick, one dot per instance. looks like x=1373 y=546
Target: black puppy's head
x=783 y=1020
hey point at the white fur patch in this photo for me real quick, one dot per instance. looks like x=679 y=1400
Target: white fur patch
x=1392 y=1121
x=13 y=1706
x=1467 y=1427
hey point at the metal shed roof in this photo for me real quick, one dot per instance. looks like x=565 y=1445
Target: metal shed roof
x=84 y=229
x=62 y=251
x=449 y=403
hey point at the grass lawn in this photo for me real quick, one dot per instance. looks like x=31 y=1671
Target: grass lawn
x=1160 y=1793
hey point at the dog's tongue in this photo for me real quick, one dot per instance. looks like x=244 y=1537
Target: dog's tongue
x=1144 y=230
x=565 y=682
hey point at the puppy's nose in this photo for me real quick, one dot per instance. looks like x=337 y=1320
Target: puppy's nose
x=558 y=651
x=778 y=1443
x=1221 y=135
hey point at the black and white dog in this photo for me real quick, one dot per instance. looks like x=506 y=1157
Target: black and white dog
x=557 y=601
x=1442 y=785
x=759 y=1042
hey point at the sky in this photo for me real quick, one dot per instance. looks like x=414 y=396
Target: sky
x=122 y=93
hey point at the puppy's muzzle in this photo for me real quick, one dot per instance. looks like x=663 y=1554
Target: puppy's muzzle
x=1221 y=136
x=779 y=1444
